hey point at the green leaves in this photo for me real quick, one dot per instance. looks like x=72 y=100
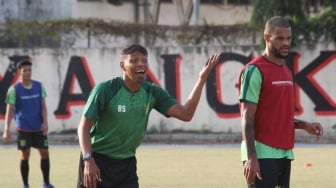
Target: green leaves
x=311 y=21
x=65 y=33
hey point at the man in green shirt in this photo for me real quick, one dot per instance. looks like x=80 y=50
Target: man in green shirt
x=115 y=119
x=267 y=104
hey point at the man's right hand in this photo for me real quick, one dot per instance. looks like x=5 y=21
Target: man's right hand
x=252 y=170
x=91 y=173
x=6 y=137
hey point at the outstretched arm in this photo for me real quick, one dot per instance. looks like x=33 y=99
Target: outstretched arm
x=186 y=112
x=313 y=128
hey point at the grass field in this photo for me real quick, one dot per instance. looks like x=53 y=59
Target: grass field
x=175 y=167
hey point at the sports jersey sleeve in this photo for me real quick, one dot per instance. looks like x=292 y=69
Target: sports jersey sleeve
x=44 y=93
x=10 y=98
x=250 y=86
x=164 y=101
x=96 y=102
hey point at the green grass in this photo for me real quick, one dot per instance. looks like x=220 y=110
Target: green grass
x=175 y=167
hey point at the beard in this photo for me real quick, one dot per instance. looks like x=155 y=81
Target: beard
x=277 y=53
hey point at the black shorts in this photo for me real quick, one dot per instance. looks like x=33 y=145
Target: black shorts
x=26 y=140
x=116 y=173
x=274 y=172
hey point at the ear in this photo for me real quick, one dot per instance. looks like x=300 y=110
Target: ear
x=267 y=37
x=122 y=65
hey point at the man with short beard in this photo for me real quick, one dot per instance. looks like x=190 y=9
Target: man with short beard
x=266 y=94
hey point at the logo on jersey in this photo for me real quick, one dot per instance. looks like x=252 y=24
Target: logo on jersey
x=121 y=108
x=282 y=83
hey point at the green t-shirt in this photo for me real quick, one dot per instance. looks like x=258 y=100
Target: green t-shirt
x=251 y=81
x=121 y=116
x=11 y=96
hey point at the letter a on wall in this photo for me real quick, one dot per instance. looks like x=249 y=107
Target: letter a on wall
x=78 y=70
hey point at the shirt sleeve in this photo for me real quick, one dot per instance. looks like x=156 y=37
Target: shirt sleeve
x=164 y=101
x=96 y=102
x=44 y=93
x=250 y=86
x=10 y=98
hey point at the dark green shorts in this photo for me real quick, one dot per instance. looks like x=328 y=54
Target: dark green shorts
x=27 y=140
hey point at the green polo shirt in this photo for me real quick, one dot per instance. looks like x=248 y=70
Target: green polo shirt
x=251 y=81
x=121 y=116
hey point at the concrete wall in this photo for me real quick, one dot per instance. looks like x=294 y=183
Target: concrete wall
x=69 y=74
x=169 y=14
x=36 y=9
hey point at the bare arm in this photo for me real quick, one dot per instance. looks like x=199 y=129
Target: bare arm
x=8 y=120
x=248 y=132
x=83 y=132
x=186 y=112
x=45 y=117
x=313 y=128
x=251 y=166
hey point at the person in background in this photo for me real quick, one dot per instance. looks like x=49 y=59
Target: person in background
x=266 y=94
x=26 y=103
x=115 y=118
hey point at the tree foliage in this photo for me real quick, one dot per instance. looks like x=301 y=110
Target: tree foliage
x=65 y=33
x=312 y=20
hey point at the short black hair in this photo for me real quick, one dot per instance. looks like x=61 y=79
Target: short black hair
x=276 y=21
x=134 y=48
x=22 y=63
